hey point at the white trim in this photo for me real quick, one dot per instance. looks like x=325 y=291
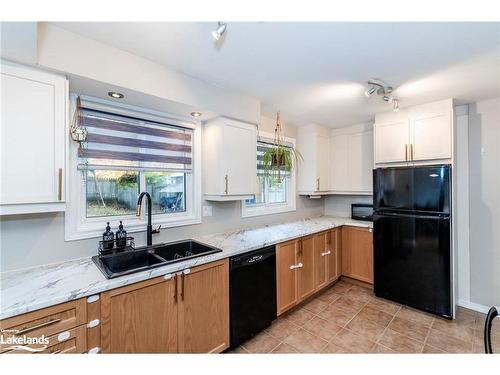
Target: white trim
x=77 y=227
x=274 y=208
x=462 y=224
x=474 y=306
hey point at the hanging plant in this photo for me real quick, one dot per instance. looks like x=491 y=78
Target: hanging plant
x=279 y=159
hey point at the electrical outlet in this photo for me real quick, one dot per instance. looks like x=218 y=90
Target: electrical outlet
x=207 y=210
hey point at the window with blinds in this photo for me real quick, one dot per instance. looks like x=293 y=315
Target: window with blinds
x=125 y=155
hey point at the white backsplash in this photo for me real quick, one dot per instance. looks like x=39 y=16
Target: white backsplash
x=340 y=205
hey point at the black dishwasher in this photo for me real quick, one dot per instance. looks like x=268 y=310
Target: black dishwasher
x=252 y=289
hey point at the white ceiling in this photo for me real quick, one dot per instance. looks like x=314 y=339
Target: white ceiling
x=316 y=72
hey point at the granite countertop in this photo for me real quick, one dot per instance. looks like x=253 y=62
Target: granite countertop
x=34 y=288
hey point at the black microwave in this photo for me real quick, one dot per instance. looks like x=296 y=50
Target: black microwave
x=362 y=211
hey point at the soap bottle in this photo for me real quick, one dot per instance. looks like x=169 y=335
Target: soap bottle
x=108 y=238
x=121 y=236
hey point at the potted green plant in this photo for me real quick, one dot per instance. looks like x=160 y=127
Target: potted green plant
x=279 y=159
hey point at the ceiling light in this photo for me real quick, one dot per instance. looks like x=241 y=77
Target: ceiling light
x=388 y=99
x=196 y=114
x=395 y=105
x=116 y=95
x=219 y=31
x=372 y=90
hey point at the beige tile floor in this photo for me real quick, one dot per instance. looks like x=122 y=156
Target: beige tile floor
x=348 y=318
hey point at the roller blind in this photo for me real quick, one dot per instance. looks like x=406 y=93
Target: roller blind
x=122 y=142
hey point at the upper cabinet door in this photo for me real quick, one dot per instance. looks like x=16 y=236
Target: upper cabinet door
x=431 y=131
x=240 y=157
x=229 y=159
x=339 y=169
x=32 y=139
x=314 y=171
x=392 y=134
x=361 y=161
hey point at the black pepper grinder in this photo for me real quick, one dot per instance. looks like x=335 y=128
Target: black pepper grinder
x=121 y=236
x=108 y=238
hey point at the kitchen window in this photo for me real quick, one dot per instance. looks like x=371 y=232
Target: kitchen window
x=130 y=150
x=271 y=197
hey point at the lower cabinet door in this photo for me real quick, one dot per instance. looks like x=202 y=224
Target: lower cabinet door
x=335 y=256
x=322 y=255
x=306 y=282
x=287 y=274
x=357 y=253
x=204 y=308
x=140 y=318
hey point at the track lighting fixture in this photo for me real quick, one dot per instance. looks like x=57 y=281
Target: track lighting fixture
x=395 y=105
x=218 y=33
x=377 y=87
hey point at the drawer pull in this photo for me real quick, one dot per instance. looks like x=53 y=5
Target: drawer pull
x=63 y=336
x=93 y=323
x=326 y=253
x=300 y=265
x=41 y=325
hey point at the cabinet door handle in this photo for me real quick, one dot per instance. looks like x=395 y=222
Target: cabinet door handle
x=411 y=151
x=41 y=325
x=317 y=184
x=326 y=253
x=406 y=152
x=225 y=184
x=299 y=265
x=59 y=185
x=185 y=272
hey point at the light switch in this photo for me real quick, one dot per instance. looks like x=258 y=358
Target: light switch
x=207 y=210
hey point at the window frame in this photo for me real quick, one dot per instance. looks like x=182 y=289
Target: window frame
x=273 y=208
x=78 y=226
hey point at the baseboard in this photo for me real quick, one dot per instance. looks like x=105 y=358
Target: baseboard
x=474 y=306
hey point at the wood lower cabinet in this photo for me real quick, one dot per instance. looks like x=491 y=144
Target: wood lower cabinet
x=140 y=318
x=286 y=274
x=295 y=272
x=183 y=313
x=322 y=255
x=306 y=282
x=357 y=253
x=334 y=258
x=204 y=309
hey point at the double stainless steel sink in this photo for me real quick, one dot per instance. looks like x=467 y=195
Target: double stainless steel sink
x=119 y=264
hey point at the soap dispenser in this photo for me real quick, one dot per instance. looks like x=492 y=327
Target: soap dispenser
x=121 y=236
x=108 y=238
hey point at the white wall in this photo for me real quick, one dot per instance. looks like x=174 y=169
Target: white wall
x=484 y=190
x=30 y=240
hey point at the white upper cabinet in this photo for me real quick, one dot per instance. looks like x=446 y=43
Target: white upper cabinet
x=313 y=142
x=419 y=134
x=230 y=159
x=392 y=132
x=431 y=130
x=351 y=156
x=32 y=138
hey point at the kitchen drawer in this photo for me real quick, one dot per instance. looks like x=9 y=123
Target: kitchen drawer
x=48 y=322
x=71 y=341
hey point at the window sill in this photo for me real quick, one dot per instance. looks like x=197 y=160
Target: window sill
x=265 y=210
x=131 y=225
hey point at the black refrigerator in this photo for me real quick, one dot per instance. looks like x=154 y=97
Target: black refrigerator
x=412 y=237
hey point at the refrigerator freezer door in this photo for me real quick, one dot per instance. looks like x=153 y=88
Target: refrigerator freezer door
x=412 y=261
x=412 y=189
